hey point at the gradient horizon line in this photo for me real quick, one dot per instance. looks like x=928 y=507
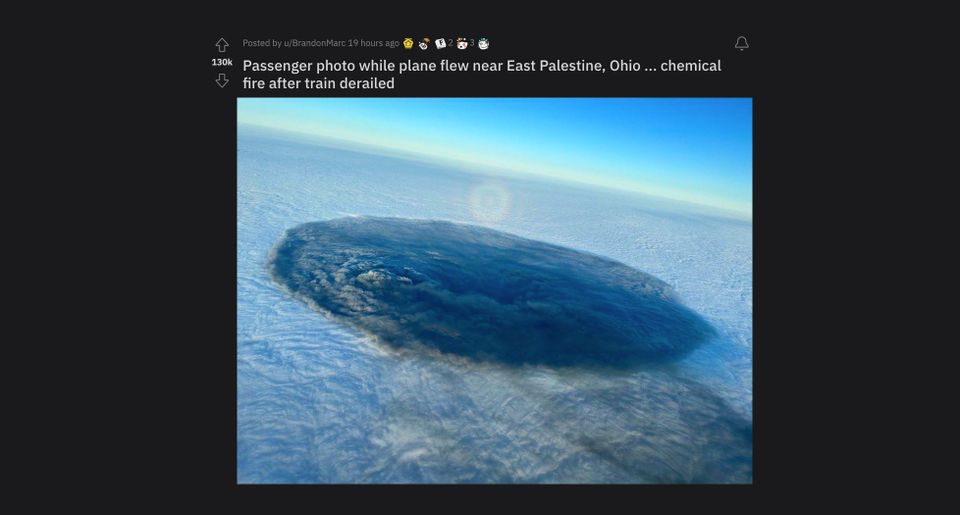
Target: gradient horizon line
x=743 y=210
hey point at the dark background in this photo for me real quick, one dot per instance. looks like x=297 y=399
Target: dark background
x=181 y=430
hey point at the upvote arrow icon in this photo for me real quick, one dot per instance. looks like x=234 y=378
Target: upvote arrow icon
x=222 y=80
x=222 y=45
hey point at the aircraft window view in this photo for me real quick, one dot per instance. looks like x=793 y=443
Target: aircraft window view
x=494 y=290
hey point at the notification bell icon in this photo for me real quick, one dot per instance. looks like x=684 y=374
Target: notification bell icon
x=741 y=43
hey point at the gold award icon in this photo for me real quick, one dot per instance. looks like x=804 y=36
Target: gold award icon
x=408 y=43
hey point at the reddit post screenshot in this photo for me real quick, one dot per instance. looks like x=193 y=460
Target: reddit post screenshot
x=485 y=258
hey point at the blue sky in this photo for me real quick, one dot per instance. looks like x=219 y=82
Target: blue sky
x=691 y=149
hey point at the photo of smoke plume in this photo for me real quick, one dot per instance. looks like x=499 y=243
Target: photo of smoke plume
x=494 y=290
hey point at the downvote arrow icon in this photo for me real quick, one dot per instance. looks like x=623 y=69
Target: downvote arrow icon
x=222 y=80
x=222 y=45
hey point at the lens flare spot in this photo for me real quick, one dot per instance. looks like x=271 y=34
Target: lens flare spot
x=489 y=202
